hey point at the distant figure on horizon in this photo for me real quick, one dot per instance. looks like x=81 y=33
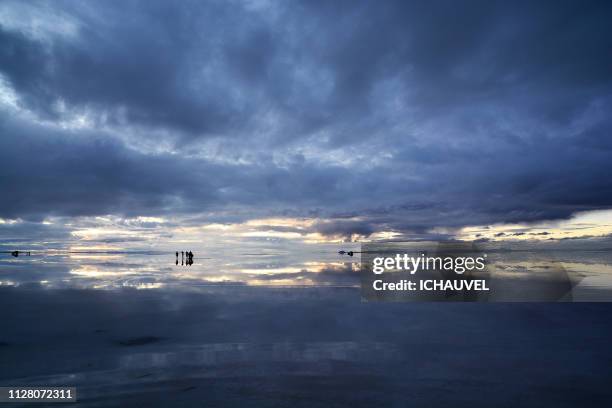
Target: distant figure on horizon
x=186 y=258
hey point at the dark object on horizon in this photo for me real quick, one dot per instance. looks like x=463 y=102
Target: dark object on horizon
x=186 y=258
x=16 y=253
x=349 y=253
x=189 y=258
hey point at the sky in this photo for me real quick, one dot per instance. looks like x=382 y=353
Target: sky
x=124 y=121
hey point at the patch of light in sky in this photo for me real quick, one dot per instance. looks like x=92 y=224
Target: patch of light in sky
x=40 y=23
x=591 y=223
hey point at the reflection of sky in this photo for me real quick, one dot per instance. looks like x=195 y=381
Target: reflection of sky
x=259 y=264
x=264 y=263
x=267 y=322
x=258 y=346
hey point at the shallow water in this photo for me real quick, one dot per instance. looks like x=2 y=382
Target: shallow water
x=265 y=328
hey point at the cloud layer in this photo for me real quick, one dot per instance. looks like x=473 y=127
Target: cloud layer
x=404 y=116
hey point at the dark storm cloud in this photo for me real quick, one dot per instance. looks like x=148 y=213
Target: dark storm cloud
x=60 y=173
x=53 y=173
x=11 y=233
x=129 y=64
x=344 y=228
x=458 y=114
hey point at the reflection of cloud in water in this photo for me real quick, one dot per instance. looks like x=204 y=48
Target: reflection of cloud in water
x=121 y=346
x=93 y=257
x=317 y=268
x=235 y=353
x=152 y=270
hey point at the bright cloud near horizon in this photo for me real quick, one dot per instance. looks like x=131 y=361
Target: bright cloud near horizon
x=312 y=121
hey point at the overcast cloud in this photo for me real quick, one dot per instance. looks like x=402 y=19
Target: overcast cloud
x=408 y=115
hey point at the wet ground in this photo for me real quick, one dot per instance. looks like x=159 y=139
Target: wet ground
x=273 y=333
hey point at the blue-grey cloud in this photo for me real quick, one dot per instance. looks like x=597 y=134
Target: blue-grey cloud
x=402 y=116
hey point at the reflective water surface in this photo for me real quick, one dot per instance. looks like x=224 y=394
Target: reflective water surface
x=288 y=328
